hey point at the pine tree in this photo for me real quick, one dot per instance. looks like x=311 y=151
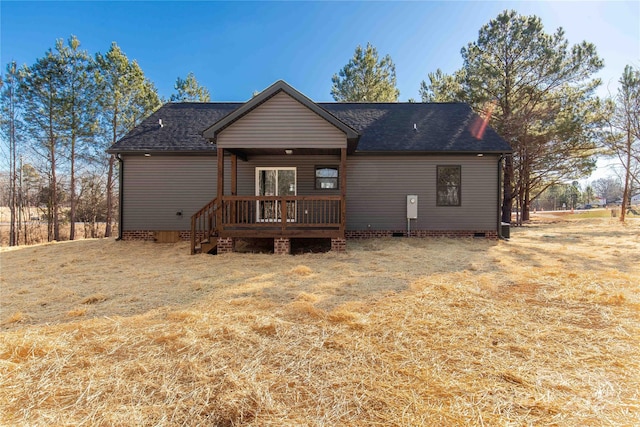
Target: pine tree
x=125 y=98
x=78 y=93
x=10 y=126
x=189 y=90
x=443 y=87
x=545 y=106
x=44 y=117
x=366 y=78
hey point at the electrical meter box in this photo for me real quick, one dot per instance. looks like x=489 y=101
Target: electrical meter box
x=412 y=206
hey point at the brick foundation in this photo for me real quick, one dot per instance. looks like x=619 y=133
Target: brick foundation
x=281 y=246
x=185 y=235
x=145 y=235
x=225 y=245
x=338 y=245
x=150 y=235
x=370 y=234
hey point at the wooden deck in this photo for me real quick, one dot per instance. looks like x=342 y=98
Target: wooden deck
x=267 y=216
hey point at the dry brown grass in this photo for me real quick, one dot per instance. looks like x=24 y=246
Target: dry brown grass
x=37 y=232
x=541 y=330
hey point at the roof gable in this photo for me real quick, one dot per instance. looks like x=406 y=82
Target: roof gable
x=281 y=122
x=265 y=95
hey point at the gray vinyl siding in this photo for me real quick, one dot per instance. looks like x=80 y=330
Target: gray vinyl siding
x=377 y=189
x=157 y=187
x=281 y=122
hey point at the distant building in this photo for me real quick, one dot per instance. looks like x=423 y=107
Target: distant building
x=596 y=202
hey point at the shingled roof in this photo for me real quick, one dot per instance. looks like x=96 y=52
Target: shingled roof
x=418 y=127
x=180 y=131
x=383 y=127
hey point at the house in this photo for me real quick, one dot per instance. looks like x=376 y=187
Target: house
x=282 y=166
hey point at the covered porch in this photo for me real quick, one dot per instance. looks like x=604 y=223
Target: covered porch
x=282 y=215
x=274 y=135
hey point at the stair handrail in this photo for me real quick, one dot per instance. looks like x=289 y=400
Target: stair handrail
x=203 y=222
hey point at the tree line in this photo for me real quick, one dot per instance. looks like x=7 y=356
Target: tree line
x=59 y=115
x=538 y=92
x=62 y=112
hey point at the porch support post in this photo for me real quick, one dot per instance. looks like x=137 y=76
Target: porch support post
x=343 y=190
x=281 y=246
x=338 y=244
x=225 y=245
x=220 y=189
x=283 y=214
x=234 y=175
x=234 y=186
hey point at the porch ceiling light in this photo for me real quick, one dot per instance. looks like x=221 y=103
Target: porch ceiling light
x=288 y=151
x=147 y=154
x=480 y=154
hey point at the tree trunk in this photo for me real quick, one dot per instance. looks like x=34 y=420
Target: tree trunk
x=107 y=231
x=627 y=180
x=49 y=216
x=14 y=232
x=24 y=225
x=72 y=190
x=507 y=197
x=53 y=191
x=19 y=205
x=94 y=230
x=54 y=208
x=526 y=201
x=13 y=241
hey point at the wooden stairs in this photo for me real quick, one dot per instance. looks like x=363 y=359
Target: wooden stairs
x=204 y=230
x=207 y=246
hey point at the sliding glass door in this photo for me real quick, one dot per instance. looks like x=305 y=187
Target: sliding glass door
x=275 y=182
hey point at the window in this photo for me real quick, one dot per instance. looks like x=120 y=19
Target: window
x=448 y=186
x=326 y=177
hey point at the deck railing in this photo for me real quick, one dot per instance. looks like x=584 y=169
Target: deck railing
x=203 y=224
x=280 y=215
x=268 y=216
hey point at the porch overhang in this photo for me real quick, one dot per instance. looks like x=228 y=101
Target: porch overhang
x=246 y=153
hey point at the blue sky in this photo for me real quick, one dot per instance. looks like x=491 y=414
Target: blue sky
x=235 y=48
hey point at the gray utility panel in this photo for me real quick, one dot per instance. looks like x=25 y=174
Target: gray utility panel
x=412 y=206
